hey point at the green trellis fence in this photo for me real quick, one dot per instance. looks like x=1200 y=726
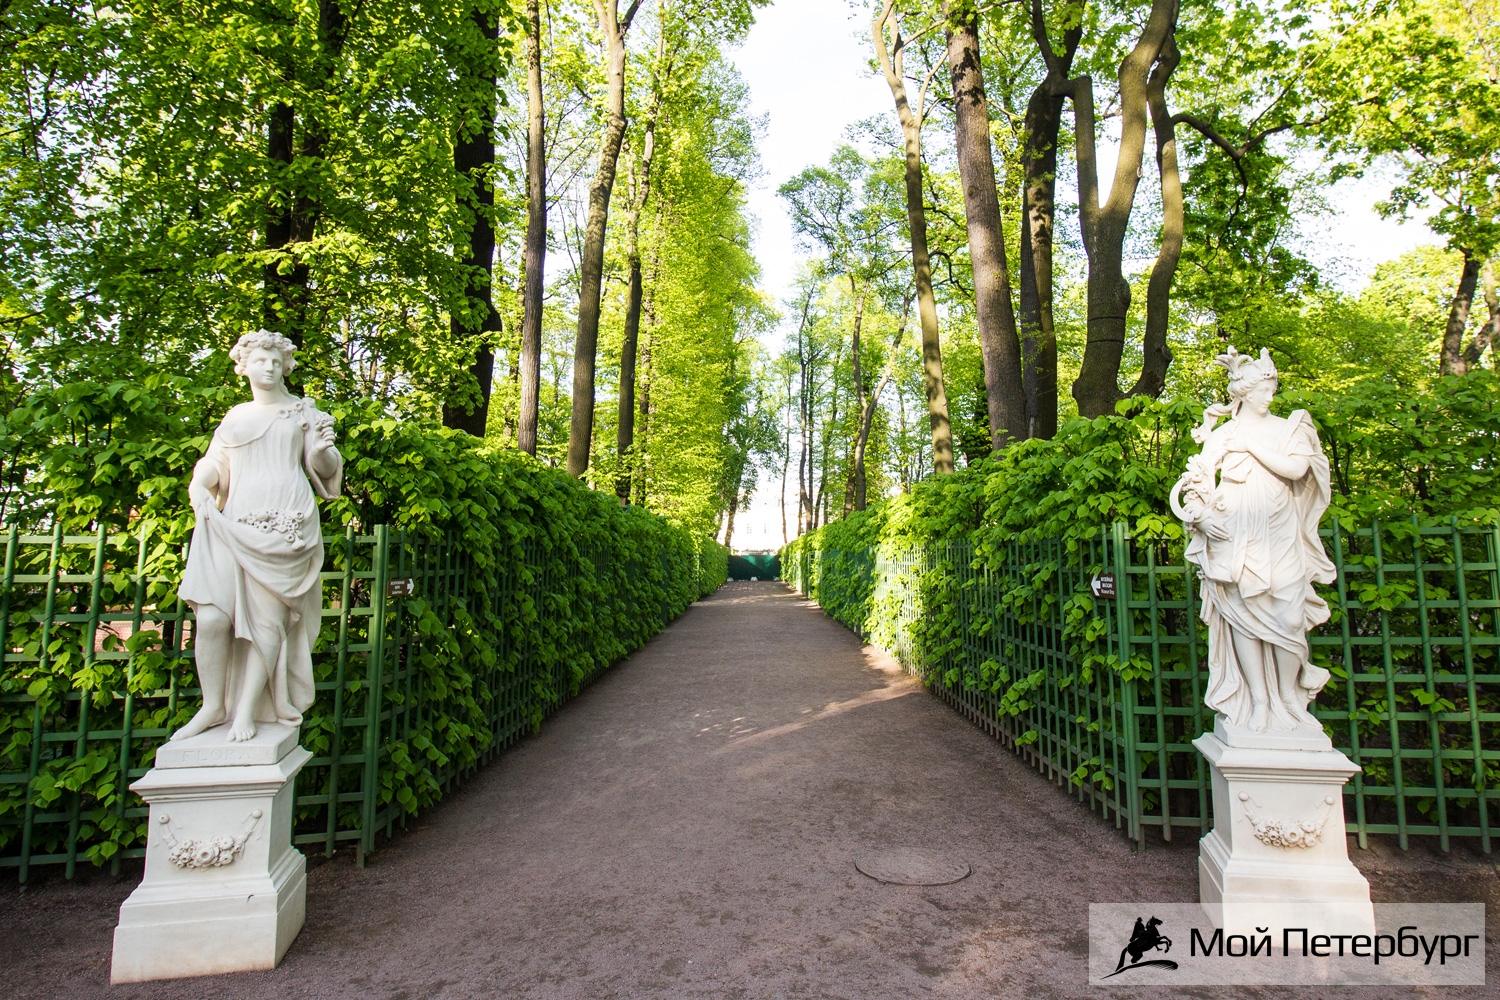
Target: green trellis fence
x=1104 y=694
x=97 y=663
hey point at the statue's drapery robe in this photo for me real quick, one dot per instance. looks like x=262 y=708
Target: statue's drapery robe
x=1259 y=580
x=257 y=558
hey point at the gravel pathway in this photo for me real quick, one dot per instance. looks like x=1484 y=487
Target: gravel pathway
x=688 y=827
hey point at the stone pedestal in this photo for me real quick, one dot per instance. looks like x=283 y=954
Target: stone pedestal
x=1277 y=855
x=224 y=889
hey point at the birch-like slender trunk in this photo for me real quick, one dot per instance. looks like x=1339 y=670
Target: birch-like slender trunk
x=614 y=28
x=861 y=294
x=641 y=180
x=806 y=361
x=820 y=502
x=867 y=412
x=892 y=63
x=535 y=259
x=804 y=449
x=786 y=451
x=643 y=419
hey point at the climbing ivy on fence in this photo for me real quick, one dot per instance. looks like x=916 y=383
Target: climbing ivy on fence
x=979 y=581
x=1095 y=472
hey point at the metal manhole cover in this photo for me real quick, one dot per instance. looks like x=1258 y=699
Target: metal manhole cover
x=911 y=866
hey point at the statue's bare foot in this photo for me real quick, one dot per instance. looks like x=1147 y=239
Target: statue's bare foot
x=241 y=730
x=207 y=718
x=1259 y=716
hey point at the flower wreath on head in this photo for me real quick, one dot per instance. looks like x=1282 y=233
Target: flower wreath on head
x=264 y=340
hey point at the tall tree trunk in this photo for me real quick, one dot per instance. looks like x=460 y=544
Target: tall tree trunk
x=613 y=28
x=306 y=208
x=729 y=524
x=283 y=304
x=1156 y=356
x=643 y=436
x=473 y=159
x=625 y=433
x=892 y=63
x=535 y=259
x=999 y=346
x=1097 y=388
x=643 y=424
x=1452 y=361
x=639 y=364
x=513 y=377
x=735 y=497
x=786 y=451
x=867 y=412
x=860 y=295
x=285 y=277
x=1043 y=122
x=906 y=471
x=805 y=453
x=1488 y=335
x=804 y=480
x=820 y=502
x=805 y=363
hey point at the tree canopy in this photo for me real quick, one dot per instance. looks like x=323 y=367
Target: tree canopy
x=526 y=220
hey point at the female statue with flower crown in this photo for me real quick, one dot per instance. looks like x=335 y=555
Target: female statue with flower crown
x=253 y=567
x=1251 y=502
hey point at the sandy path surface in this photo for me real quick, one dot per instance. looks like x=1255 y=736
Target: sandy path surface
x=687 y=828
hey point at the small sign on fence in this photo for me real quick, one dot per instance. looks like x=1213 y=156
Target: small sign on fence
x=1103 y=585
x=401 y=588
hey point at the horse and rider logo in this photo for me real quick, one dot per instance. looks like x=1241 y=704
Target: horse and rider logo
x=1146 y=937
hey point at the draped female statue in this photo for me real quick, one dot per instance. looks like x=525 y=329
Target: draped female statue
x=1251 y=502
x=253 y=566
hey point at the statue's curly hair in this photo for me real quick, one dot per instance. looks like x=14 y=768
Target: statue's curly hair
x=266 y=340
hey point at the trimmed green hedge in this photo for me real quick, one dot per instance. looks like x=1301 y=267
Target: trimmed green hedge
x=542 y=571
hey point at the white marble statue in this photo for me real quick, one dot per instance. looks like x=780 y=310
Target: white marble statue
x=1251 y=501
x=257 y=549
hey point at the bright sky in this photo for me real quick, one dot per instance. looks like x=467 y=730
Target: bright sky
x=807 y=65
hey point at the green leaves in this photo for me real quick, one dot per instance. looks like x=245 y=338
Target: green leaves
x=1415 y=82
x=1034 y=515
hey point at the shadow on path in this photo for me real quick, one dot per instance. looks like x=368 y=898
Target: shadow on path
x=687 y=828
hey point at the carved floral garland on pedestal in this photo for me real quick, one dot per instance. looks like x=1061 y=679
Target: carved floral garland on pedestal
x=208 y=852
x=1287 y=833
